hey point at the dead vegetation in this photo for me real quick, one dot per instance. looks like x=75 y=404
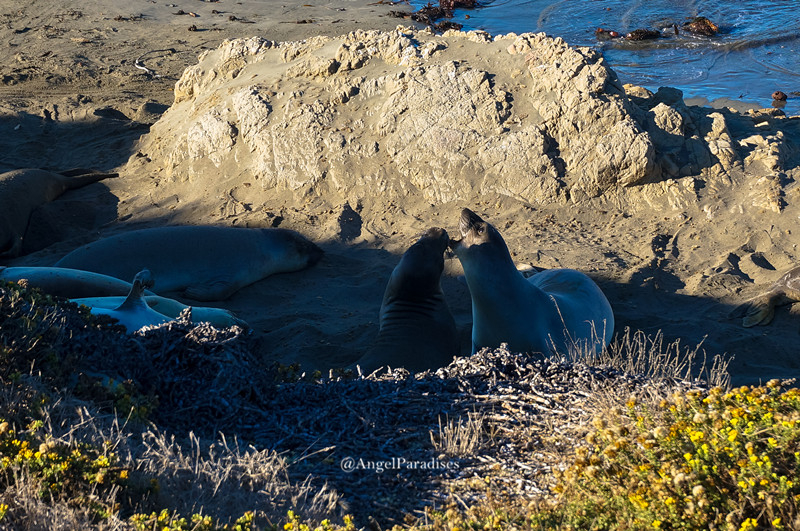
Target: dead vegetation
x=221 y=436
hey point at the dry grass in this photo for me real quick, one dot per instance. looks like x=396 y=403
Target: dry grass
x=459 y=437
x=634 y=352
x=219 y=478
x=223 y=480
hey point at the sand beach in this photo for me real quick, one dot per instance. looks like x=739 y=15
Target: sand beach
x=677 y=229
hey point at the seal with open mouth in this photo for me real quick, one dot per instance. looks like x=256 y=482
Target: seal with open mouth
x=557 y=310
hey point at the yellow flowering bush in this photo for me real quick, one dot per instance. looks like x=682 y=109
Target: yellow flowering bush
x=700 y=460
x=166 y=521
x=76 y=472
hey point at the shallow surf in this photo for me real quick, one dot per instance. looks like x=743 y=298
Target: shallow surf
x=755 y=53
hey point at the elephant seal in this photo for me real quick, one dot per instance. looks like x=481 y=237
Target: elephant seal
x=67 y=283
x=417 y=330
x=556 y=310
x=170 y=308
x=21 y=191
x=204 y=263
x=761 y=309
x=134 y=313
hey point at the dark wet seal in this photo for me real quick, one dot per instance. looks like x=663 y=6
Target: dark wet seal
x=643 y=35
x=192 y=28
x=779 y=96
x=701 y=26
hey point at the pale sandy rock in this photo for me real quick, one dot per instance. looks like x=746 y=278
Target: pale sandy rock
x=635 y=91
x=666 y=126
x=448 y=118
x=232 y=56
x=289 y=51
x=211 y=136
x=767 y=193
x=585 y=111
x=720 y=143
x=673 y=194
x=767 y=152
x=528 y=148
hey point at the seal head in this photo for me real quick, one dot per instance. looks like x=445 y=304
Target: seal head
x=556 y=310
x=417 y=330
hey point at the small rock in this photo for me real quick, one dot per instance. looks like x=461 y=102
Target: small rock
x=778 y=96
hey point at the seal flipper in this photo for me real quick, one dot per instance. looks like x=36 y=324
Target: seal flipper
x=757 y=311
x=134 y=313
x=135 y=299
x=215 y=290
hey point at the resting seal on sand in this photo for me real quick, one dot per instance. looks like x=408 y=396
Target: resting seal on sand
x=555 y=310
x=21 y=191
x=760 y=310
x=67 y=283
x=205 y=263
x=134 y=313
x=417 y=330
x=170 y=308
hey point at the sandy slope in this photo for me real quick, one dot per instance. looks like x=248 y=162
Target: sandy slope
x=71 y=96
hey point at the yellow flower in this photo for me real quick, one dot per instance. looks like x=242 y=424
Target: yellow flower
x=750 y=523
x=639 y=501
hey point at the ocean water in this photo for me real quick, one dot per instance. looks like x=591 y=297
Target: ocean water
x=756 y=52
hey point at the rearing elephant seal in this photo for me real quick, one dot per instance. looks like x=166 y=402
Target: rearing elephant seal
x=760 y=310
x=206 y=263
x=417 y=329
x=21 y=191
x=555 y=310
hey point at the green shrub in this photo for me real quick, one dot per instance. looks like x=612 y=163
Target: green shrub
x=78 y=473
x=700 y=460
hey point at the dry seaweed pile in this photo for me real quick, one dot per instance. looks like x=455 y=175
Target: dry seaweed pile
x=178 y=375
x=495 y=421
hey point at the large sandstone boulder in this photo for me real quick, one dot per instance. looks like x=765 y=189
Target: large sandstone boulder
x=448 y=117
x=451 y=118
